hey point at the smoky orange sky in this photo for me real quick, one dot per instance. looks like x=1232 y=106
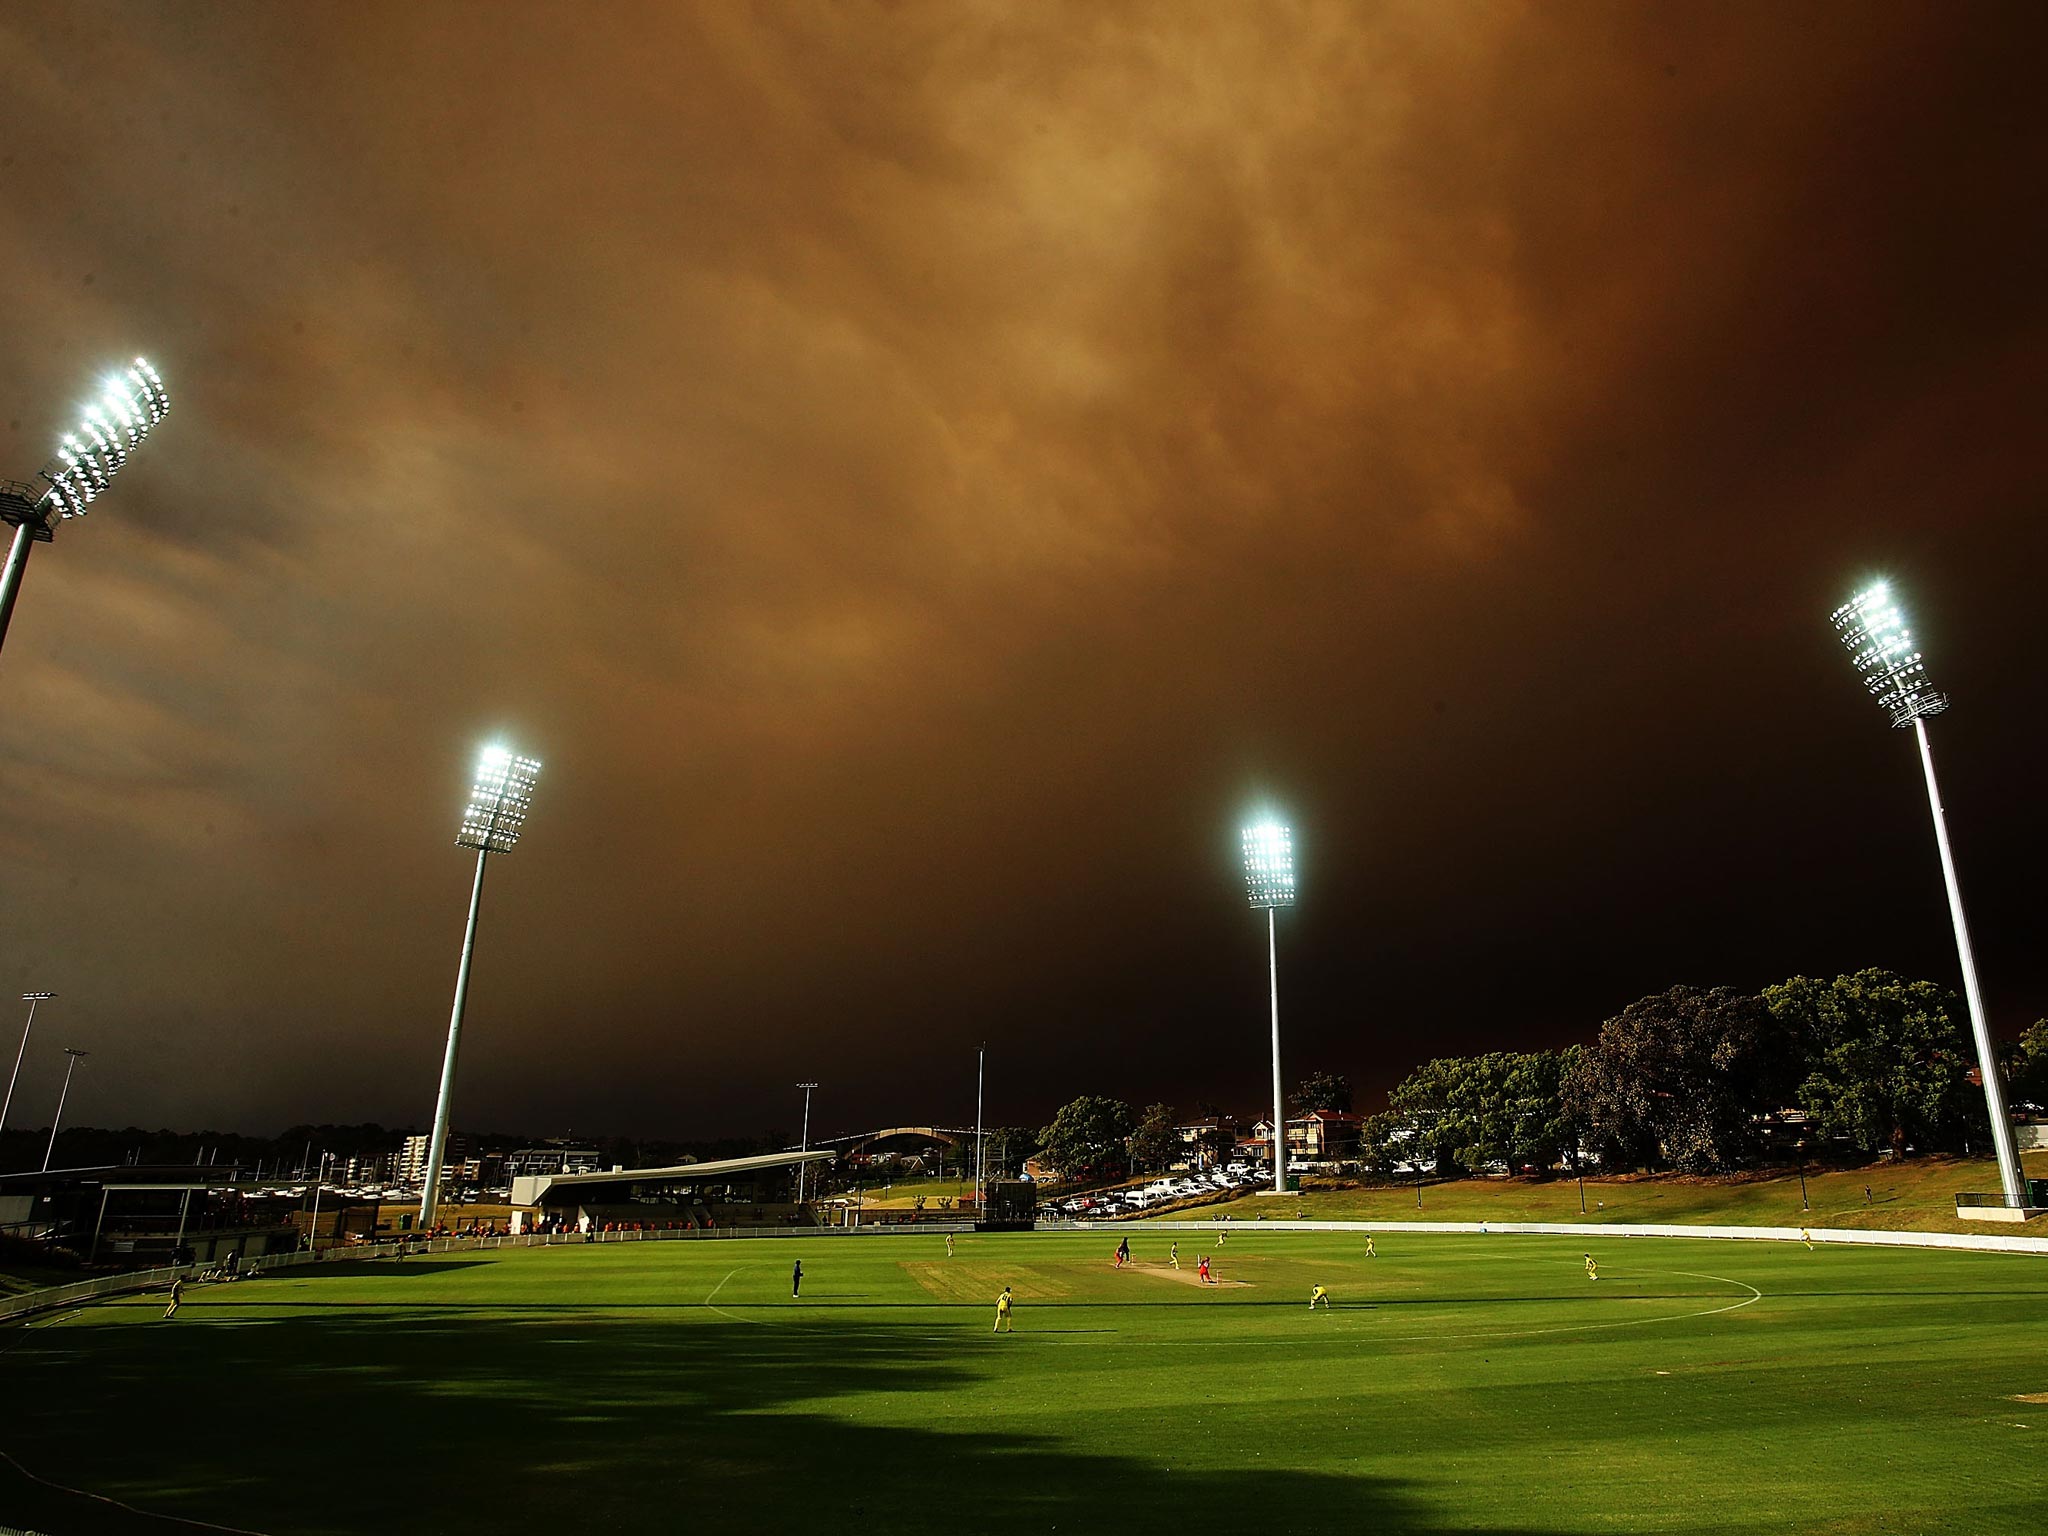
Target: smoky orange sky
x=917 y=473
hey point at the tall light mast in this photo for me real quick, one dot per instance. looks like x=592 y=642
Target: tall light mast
x=1873 y=629
x=491 y=823
x=1269 y=882
x=131 y=402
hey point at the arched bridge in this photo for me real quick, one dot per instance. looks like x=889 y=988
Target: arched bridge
x=910 y=1139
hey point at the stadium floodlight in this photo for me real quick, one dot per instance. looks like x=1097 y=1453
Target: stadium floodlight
x=70 y=1067
x=31 y=998
x=1269 y=883
x=491 y=823
x=1874 y=630
x=131 y=402
x=805 y=1147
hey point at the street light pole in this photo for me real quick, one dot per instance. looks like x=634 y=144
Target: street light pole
x=980 y=1157
x=31 y=998
x=491 y=823
x=70 y=1067
x=801 y=1167
x=131 y=402
x=1874 y=630
x=319 y=1182
x=1269 y=882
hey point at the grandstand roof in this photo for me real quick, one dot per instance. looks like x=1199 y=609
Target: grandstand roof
x=681 y=1171
x=677 y=1173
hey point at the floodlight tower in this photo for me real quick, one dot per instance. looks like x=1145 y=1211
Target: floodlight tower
x=806 y=1148
x=1874 y=630
x=491 y=823
x=31 y=998
x=131 y=402
x=70 y=1067
x=1269 y=882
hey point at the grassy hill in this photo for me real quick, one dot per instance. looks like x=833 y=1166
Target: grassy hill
x=1917 y=1194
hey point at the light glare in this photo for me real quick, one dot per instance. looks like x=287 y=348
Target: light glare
x=499 y=800
x=1873 y=630
x=128 y=408
x=1269 y=864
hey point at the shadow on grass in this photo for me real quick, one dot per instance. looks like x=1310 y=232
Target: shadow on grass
x=631 y=1425
x=381 y=1268
x=244 y=1301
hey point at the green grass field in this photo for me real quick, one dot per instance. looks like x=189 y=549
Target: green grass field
x=1461 y=1384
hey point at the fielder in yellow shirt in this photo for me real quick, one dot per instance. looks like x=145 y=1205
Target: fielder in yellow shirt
x=1003 y=1311
x=1318 y=1295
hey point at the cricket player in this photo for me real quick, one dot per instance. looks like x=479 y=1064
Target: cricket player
x=1318 y=1295
x=1592 y=1269
x=1173 y=1255
x=1123 y=1253
x=796 y=1280
x=1806 y=1237
x=1003 y=1312
x=949 y=1245
x=177 y=1295
x=1204 y=1269
x=1368 y=1247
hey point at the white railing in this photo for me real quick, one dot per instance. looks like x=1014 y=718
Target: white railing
x=1970 y=1240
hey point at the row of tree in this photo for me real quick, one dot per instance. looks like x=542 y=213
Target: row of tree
x=1694 y=1079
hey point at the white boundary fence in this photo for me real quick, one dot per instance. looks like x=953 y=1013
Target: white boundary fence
x=1986 y=1242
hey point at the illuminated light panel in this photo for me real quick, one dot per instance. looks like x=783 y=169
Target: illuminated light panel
x=1269 y=865
x=496 y=813
x=1873 y=630
x=130 y=404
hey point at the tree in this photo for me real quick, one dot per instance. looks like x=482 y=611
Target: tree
x=1678 y=1078
x=1008 y=1147
x=1386 y=1143
x=1155 y=1145
x=1502 y=1109
x=1574 y=1131
x=2025 y=1064
x=1322 y=1090
x=1087 y=1137
x=1888 y=1061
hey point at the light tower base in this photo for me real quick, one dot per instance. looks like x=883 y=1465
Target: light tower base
x=1994 y=1207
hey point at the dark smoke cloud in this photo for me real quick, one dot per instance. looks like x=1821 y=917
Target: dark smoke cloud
x=915 y=472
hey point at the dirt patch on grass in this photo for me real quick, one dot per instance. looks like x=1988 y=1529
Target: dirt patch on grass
x=980 y=1283
x=1188 y=1276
